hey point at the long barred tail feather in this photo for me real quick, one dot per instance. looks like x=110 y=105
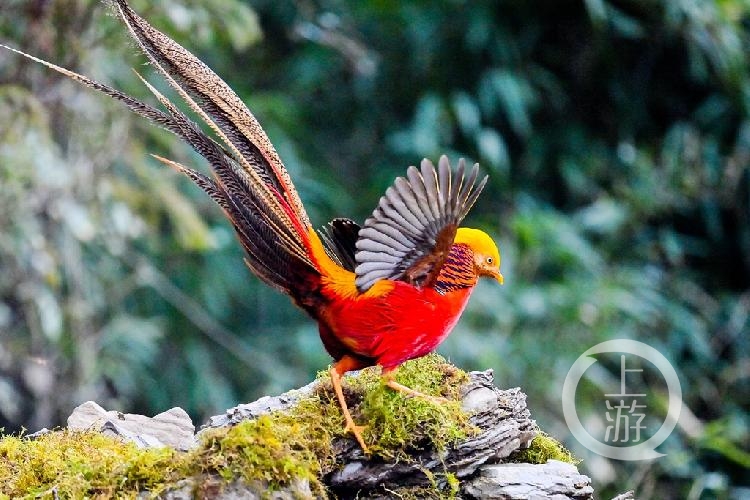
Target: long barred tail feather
x=238 y=203
x=249 y=181
x=229 y=116
x=263 y=259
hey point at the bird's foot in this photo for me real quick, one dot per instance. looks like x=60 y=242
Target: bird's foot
x=350 y=425
x=409 y=392
x=357 y=430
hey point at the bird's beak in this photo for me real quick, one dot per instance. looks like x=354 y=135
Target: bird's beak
x=498 y=277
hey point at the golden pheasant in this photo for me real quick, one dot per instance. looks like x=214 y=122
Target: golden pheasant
x=383 y=293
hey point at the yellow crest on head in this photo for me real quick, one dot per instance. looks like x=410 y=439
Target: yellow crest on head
x=479 y=241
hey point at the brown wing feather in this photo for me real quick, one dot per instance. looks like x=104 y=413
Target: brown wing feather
x=424 y=272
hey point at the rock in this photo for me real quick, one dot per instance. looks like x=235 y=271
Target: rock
x=41 y=432
x=628 y=495
x=171 y=428
x=554 y=480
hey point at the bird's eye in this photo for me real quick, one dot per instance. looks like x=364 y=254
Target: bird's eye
x=490 y=260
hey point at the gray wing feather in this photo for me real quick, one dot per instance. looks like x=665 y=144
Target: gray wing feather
x=376 y=256
x=444 y=181
x=394 y=215
x=378 y=268
x=416 y=181
x=387 y=235
x=429 y=177
x=390 y=229
x=368 y=245
x=401 y=198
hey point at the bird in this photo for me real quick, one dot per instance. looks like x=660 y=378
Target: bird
x=383 y=292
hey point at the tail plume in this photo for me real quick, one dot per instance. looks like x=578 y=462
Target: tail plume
x=249 y=180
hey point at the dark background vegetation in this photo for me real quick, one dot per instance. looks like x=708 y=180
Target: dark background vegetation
x=615 y=133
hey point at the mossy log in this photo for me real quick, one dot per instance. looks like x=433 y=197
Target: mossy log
x=293 y=446
x=504 y=427
x=502 y=416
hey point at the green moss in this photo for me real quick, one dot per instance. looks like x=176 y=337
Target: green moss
x=274 y=450
x=419 y=493
x=441 y=486
x=544 y=448
x=79 y=464
x=394 y=423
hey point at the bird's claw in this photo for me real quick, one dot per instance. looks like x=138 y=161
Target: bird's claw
x=411 y=393
x=357 y=430
x=438 y=400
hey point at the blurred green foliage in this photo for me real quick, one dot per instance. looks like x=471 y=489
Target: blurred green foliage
x=615 y=133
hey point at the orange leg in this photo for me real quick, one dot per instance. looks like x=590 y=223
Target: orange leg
x=342 y=366
x=389 y=377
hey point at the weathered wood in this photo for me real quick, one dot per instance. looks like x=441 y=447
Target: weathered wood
x=505 y=425
x=262 y=406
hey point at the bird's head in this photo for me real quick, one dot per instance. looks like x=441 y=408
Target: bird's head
x=486 y=253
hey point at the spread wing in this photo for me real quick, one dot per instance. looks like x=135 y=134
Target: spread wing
x=410 y=233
